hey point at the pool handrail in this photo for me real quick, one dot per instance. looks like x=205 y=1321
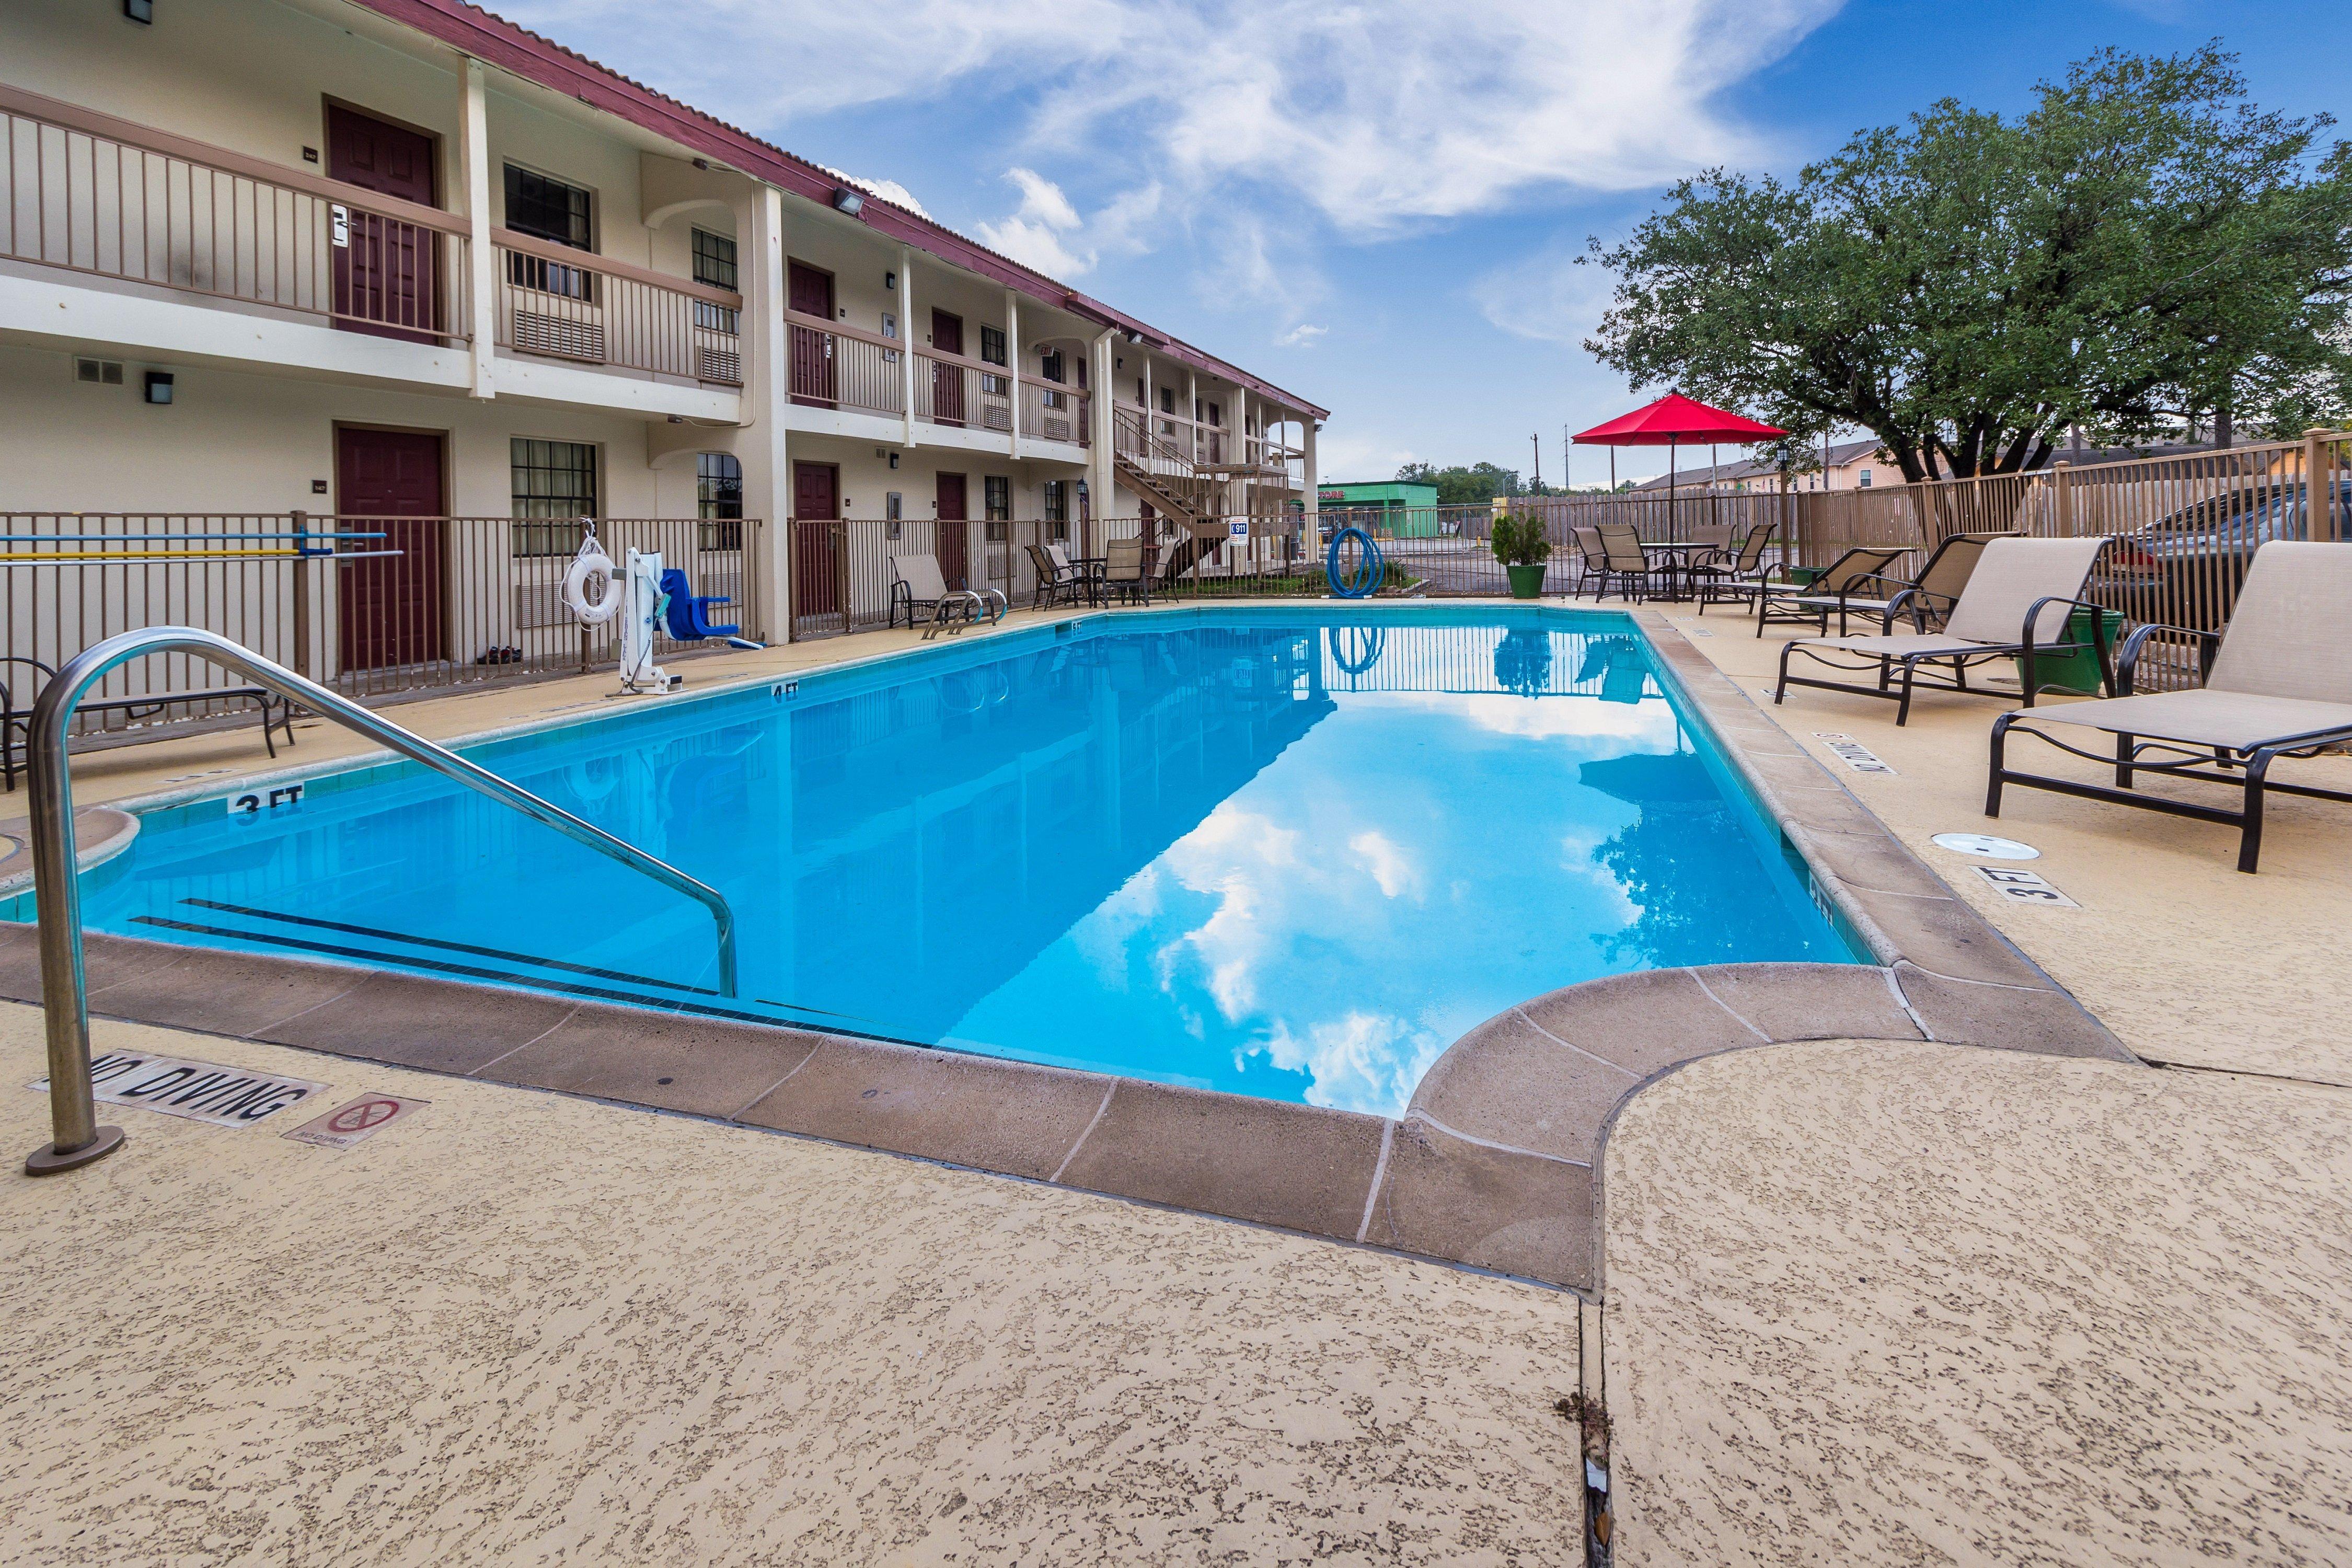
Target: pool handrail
x=79 y=1139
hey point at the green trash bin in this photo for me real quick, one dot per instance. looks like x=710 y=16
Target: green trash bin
x=2076 y=673
x=1804 y=576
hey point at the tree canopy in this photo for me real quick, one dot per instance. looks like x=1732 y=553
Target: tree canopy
x=2142 y=249
x=1463 y=486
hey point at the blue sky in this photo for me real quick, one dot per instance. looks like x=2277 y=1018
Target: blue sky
x=1373 y=204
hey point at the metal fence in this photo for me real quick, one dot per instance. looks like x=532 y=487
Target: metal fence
x=370 y=606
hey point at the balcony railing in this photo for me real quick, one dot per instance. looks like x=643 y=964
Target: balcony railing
x=845 y=367
x=88 y=193
x=1051 y=411
x=834 y=366
x=568 y=304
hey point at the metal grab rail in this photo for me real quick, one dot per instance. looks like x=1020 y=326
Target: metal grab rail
x=73 y=1118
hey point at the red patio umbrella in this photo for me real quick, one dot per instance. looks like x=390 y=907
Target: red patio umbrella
x=1670 y=421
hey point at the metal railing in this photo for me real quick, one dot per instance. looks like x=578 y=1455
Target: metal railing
x=92 y=194
x=76 y=1137
x=368 y=607
x=562 y=303
x=836 y=367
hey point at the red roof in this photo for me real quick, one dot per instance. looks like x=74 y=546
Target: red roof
x=1674 y=420
x=495 y=41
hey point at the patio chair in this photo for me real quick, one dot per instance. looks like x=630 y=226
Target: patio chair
x=1087 y=567
x=1123 y=573
x=916 y=585
x=1592 y=566
x=1058 y=583
x=2017 y=605
x=1734 y=579
x=1849 y=581
x=2278 y=683
x=1626 y=564
x=1928 y=597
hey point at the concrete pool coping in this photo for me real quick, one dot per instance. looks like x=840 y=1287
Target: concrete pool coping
x=1492 y=1165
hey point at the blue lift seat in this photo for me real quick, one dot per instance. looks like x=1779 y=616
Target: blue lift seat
x=689 y=617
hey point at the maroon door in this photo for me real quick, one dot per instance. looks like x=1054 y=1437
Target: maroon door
x=816 y=573
x=812 y=373
x=386 y=279
x=389 y=609
x=953 y=563
x=946 y=380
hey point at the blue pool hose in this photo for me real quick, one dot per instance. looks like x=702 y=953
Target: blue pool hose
x=1374 y=568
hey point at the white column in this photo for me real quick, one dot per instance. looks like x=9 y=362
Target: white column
x=482 y=261
x=1013 y=355
x=906 y=334
x=1306 y=478
x=767 y=468
x=1101 y=469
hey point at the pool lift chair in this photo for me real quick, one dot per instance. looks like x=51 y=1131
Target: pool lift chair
x=687 y=615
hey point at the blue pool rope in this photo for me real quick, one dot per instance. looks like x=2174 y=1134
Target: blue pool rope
x=1374 y=568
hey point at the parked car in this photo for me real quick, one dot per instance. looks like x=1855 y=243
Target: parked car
x=2201 y=551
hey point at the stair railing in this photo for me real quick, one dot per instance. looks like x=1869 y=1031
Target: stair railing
x=78 y=1139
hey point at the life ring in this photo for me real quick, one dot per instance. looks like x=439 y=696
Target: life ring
x=591 y=563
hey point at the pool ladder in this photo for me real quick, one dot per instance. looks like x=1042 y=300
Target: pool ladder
x=77 y=1138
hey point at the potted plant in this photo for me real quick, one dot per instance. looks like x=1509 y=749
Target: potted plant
x=1522 y=548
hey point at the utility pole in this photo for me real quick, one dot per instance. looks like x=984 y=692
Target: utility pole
x=1537 y=442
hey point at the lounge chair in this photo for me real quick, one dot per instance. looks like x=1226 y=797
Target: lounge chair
x=2278 y=683
x=1123 y=571
x=1626 y=564
x=1734 y=579
x=2017 y=605
x=1848 y=584
x=916 y=587
x=1928 y=599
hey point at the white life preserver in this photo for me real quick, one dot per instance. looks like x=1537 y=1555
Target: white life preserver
x=591 y=563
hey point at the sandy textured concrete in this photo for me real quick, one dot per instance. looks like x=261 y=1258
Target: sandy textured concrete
x=524 y=1328
x=2182 y=956
x=1895 y=1303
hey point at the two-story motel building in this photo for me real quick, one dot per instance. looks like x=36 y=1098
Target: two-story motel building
x=402 y=260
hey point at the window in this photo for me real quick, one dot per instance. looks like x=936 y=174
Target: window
x=991 y=352
x=548 y=209
x=714 y=259
x=1140 y=401
x=996 y=497
x=553 y=480
x=1049 y=365
x=1057 y=510
x=1866 y=478
x=1167 y=400
x=894 y=507
x=714 y=264
x=719 y=500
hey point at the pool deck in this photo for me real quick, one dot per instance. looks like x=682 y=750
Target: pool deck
x=1869 y=1296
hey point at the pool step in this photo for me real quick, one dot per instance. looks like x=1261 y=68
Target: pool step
x=306 y=933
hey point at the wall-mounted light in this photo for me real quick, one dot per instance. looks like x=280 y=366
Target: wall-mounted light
x=140 y=11
x=894 y=459
x=159 y=386
x=1133 y=336
x=890 y=281
x=846 y=201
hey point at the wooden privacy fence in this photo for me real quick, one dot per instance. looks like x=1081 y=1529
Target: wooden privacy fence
x=369 y=607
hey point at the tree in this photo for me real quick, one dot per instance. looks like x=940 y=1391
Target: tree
x=2141 y=247
x=1460 y=486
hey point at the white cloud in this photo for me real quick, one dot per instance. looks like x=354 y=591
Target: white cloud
x=1379 y=115
x=1365 y=1061
x=1547 y=297
x=1301 y=336
x=1040 y=231
x=1390 y=867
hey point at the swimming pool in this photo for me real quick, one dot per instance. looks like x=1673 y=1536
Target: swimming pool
x=1283 y=852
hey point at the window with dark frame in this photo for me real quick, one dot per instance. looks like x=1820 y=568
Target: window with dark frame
x=554 y=486
x=1057 y=510
x=1167 y=400
x=714 y=265
x=547 y=208
x=719 y=500
x=996 y=505
x=1049 y=368
x=991 y=352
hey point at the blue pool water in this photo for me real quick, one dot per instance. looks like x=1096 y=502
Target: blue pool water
x=1289 y=852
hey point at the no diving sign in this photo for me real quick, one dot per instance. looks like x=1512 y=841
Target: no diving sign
x=363 y=1117
x=202 y=1092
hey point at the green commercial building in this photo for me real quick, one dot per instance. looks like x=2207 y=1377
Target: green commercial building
x=1392 y=508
